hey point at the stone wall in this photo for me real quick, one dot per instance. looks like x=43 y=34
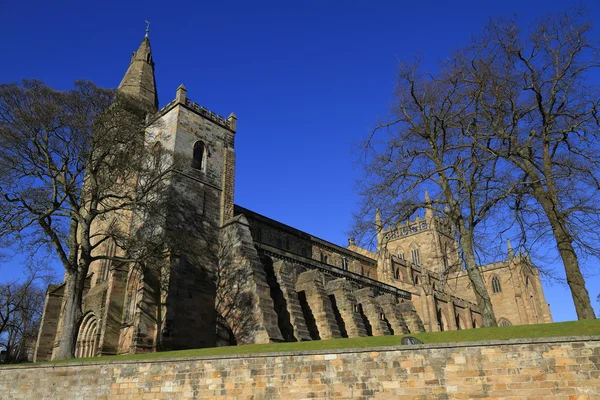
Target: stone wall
x=557 y=368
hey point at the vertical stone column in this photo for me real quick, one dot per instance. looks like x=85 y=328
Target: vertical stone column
x=286 y=277
x=49 y=324
x=111 y=329
x=393 y=313
x=311 y=282
x=410 y=316
x=228 y=183
x=468 y=317
x=241 y=255
x=451 y=315
x=347 y=306
x=373 y=311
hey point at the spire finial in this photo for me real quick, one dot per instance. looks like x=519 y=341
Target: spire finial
x=427 y=198
x=147 y=27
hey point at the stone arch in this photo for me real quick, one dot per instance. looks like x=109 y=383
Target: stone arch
x=87 y=338
x=400 y=253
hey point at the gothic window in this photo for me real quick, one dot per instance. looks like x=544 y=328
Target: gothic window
x=111 y=250
x=397 y=274
x=199 y=159
x=496 y=288
x=416 y=257
x=416 y=279
x=344 y=263
x=457 y=320
x=400 y=253
x=504 y=322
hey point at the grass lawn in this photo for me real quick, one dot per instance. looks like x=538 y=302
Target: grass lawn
x=572 y=328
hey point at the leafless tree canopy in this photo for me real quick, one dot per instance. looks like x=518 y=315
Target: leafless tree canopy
x=21 y=306
x=509 y=122
x=73 y=165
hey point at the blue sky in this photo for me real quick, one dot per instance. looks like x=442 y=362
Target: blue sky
x=306 y=79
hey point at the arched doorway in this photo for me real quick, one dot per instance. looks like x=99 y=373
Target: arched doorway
x=87 y=338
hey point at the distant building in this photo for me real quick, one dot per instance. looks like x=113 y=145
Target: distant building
x=295 y=286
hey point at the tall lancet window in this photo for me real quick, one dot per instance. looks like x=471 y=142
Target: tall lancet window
x=199 y=157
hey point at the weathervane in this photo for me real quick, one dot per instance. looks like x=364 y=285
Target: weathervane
x=147 y=28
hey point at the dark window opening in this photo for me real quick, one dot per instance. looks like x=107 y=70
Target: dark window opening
x=344 y=263
x=198 y=160
x=496 y=288
x=279 y=243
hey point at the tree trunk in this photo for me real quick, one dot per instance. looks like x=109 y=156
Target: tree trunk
x=72 y=315
x=476 y=278
x=564 y=243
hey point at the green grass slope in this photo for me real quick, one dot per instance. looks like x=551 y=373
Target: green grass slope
x=572 y=328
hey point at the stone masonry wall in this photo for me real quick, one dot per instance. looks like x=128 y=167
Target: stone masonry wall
x=558 y=368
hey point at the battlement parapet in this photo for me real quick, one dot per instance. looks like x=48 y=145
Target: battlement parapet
x=181 y=98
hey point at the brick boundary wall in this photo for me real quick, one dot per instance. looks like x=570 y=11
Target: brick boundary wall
x=549 y=368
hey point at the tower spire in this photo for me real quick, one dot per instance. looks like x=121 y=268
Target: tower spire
x=428 y=206
x=511 y=252
x=139 y=81
x=378 y=227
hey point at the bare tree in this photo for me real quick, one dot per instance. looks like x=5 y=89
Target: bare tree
x=21 y=306
x=74 y=170
x=430 y=143
x=539 y=113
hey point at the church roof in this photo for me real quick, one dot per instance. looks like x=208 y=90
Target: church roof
x=139 y=79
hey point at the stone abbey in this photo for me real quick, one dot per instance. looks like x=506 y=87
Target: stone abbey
x=291 y=286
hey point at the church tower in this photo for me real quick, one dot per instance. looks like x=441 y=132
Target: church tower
x=426 y=241
x=173 y=306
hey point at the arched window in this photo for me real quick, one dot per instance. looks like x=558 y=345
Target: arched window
x=111 y=251
x=397 y=274
x=416 y=257
x=198 y=162
x=504 y=322
x=416 y=279
x=496 y=288
x=344 y=263
x=400 y=253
